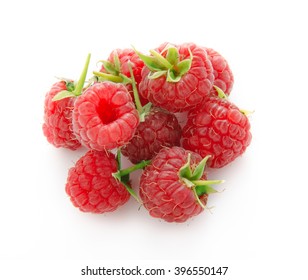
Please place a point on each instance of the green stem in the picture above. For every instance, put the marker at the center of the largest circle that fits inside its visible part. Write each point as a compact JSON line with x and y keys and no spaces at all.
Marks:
{"x":123,"y":175}
{"x":108,"y":77}
{"x":163,"y":61}
{"x":83,"y":76}
{"x":135,"y":90}
{"x":137,"y":166}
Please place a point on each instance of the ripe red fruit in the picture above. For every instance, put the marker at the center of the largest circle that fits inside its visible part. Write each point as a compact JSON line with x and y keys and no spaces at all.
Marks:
{"x":223,"y":76}
{"x":168,"y":186}
{"x":117,"y":65}
{"x":57,"y":126}
{"x":218,"y":128}
{"x":91,"y":186}
{"x":176,"y":78}
{"x":105,"y":116}
{"x":159,"y":129}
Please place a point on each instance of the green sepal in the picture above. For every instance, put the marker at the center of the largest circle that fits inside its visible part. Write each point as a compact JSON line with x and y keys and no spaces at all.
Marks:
{"x":131,"y":192}
{"x":197,"y":197}
{"x":163,"y":62}
{"x":124,"y":180}
{"x":149,"y":61}
{"x":185,"y":171}
{"x":192,"y":179}
{"x":198,"y":172}
{"x":171,"y":77}
{"x":117,"y":62}
{"x":188,"y":183}
{"x":125,"y":79}
{"x":204,"y":186}
{"x":70,"y":86}
{"x":220,"y":92}
{"x":172,"y":55}
{"x":145,"y":111}
{"x":247,"y":113}
{"x":117,"y":175}
{"x":63,"y":94}
{"x":155,"y":75}
{"x":183,"y":67}
{"x":205,"y":189}
{"x":109,"y":67}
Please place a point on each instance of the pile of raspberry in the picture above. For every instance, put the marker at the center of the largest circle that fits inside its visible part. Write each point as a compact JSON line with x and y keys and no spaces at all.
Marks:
{"x":130,"y":107}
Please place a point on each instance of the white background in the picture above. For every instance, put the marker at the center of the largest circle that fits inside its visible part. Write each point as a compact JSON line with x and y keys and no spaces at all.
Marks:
{"x":259,"y":223}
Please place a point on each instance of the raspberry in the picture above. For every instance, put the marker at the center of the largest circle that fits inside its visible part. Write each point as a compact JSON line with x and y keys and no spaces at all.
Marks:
{"x":57,"y":125}
{"x":223,"y":75}
{"x":59,"y":103}
{"x":91,"y":186}
{"x":168,"y":185}
{"x":117,"y":65}
{"x":104,"y":116}
{"x":218,"y":129}
{"x":176,"y":78}
{"x":160,"y":128}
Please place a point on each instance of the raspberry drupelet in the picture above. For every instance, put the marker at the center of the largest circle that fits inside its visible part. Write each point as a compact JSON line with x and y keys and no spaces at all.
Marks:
{"x":57,"y":126}
{"x":91,"y":186}
{"x":159,"y":129}
{"x":174,"y":186}
{"x":218,"y":128}
{"x":105,"y":117}
{"x":176,"y":77}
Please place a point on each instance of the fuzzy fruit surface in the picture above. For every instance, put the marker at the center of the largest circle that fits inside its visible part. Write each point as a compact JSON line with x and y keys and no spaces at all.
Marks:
{"x":163,"y":193}
{"x":218,"y":129}
{"x":127,"y":56}
{"x":90,"y":184}
{"x":105,"y":117}
{"x":159,"y":129}
{"x":57,"y":126}
{"x":223,"y":76}
{"x":192,"y":88}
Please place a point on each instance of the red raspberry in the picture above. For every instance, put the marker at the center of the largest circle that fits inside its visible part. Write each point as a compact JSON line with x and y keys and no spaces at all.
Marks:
{"x":218,"y":129}
{"x":57,"y":125}
{"x":160,"y":128}
{"x":126,"y":57}
{"x":223,"y":75}
{"x":164,"y":192}
{"x":105,"y":117}
{"x":91,"y":186}
{"x":179,"y":85}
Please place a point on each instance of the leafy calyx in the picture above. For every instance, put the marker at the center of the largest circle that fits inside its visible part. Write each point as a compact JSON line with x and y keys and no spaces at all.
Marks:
{"x":113,"y":71}
{"x":192,"y":179}
{"x":167,"y":63}
{"x":74,"y":89}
